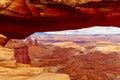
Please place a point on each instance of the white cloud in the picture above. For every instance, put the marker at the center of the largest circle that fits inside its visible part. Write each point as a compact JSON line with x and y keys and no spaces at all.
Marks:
{"x":90,"y":30}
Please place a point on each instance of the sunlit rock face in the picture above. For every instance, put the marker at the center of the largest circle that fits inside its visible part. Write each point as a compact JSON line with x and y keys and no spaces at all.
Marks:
{"x":30,"y":73}
{"x":5,"y":3}
{"x":7,"y":57}
{"x":108,"y":49}
{"x":50,"y":76}
{"x":14,"y":64}
{"x":33,"y":8}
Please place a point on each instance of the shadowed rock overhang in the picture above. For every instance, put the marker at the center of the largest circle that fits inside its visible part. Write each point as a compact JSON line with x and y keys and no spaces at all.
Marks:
{"x":20,"y":18}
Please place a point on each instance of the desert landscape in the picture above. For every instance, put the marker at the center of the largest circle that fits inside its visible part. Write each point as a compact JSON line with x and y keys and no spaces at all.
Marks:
{"x":47,"y":56}
{"x":59,"y":40}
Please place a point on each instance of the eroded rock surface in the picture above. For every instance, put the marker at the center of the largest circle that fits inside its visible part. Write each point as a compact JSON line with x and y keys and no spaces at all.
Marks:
{"x":32,"y":8}
{"x":21,"y":50}
{"x":54,"y":61}
{"x":7,"y":57}
{"x":28,"y":16}
{"x":29,"y":73}
{"x":16,"y":68}
{"x":93,"y":65}
{"x":50,"y":76}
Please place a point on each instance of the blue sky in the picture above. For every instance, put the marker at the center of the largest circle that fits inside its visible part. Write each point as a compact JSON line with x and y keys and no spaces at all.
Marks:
{"x":90,"y":30}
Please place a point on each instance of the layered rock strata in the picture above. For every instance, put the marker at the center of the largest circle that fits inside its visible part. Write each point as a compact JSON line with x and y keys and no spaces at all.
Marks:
{"x":21,"y":50}
{"x":14,"y":64}
{"x":7,"y":57}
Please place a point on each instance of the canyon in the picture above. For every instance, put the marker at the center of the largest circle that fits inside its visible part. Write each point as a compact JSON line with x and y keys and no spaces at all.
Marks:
{"x":14,"y":64}
{"x":58,"y":57}
{"x":65,"y":58}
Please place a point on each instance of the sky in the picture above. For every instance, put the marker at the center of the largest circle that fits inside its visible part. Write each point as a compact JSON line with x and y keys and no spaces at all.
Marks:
{"x":90,"y":30}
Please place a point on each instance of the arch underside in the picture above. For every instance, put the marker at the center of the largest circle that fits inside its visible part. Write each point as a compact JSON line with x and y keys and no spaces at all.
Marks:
{"x":34,"y":18}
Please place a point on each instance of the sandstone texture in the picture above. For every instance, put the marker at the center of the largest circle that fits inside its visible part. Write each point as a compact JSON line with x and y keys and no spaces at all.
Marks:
{"x":7,"y":57}
{"x":24,"y":17}
{"x":29,"y":73}
{"x":32,"y":8}
{"x":21,"y":50}
{"x":50,"y":76}
{"x":95,"y":58}
{"x":13,"y":65}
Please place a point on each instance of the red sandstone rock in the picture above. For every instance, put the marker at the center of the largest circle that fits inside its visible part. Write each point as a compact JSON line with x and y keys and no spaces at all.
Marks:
{"x":26,"y":17}
{"x":90,"y":66}
{"x":31,"y":8}
{"x":21,"y":54}
{"x":21,"y":50}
